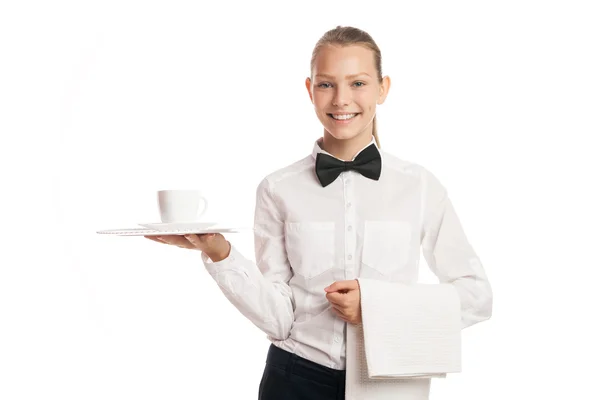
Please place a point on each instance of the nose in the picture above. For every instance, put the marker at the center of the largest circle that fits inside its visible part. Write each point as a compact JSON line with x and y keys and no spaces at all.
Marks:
{"x":342,"y":96}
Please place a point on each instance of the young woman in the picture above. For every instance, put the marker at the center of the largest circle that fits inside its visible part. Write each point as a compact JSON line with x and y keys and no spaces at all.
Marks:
{"x":347,"y":210}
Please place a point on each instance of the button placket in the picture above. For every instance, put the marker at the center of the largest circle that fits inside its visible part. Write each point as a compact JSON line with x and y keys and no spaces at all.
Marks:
{"x":337,"y":336}
{"x":349,"y":222}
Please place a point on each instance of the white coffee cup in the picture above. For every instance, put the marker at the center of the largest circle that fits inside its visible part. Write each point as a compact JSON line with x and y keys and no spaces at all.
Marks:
{"x":181,"y":205}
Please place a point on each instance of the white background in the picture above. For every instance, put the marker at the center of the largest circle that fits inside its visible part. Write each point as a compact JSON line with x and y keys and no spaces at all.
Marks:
{"x":103,"y":103}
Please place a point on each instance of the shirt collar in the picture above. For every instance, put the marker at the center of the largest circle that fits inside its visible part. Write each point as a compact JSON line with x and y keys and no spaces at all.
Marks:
{"x":318,"y":149}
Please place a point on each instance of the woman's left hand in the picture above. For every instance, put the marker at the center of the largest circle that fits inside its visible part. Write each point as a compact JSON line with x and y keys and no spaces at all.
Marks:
{"x":344,"y":297}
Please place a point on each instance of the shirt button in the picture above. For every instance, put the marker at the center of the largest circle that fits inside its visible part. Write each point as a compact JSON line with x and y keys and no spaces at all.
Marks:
{"x":350,"y":257}
{"x":350,"y":228}
{"x":348,"y":204}
{"x":336,"y":339}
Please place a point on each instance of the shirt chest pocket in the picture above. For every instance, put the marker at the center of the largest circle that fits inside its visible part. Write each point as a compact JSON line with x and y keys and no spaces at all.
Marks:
{"x":386,"y":245}
{"x":310,"y":247}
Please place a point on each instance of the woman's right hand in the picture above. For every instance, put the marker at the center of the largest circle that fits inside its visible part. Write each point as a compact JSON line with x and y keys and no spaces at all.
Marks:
{"x":214,"y":245}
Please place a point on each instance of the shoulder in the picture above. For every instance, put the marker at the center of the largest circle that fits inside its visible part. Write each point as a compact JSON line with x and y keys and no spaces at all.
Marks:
{"x":402,"y":166}
{"x":412,"y":169}
{"x":287,"y":174}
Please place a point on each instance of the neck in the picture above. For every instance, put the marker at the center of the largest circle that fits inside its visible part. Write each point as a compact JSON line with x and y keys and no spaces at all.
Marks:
{"x":345,"y":149}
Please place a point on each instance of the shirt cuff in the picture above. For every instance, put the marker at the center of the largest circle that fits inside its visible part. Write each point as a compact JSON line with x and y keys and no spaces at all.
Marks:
{"x":228,"y":262}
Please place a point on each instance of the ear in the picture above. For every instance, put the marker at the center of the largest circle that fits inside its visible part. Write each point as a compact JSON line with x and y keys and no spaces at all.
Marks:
{"x":384,"y":88}
{"x":308,"y":84}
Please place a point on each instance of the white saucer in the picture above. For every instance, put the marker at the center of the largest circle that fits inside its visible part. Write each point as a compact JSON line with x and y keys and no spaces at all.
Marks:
{"x":169,"y":226}
{"x":153,"y":232}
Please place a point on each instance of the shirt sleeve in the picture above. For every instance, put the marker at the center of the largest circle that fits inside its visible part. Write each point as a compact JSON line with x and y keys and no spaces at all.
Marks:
{"x":450,"y":256}
{"x":260,"y":291}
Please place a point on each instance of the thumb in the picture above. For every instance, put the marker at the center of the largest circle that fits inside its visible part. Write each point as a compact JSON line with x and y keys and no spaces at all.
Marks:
{"x":341,"y":285}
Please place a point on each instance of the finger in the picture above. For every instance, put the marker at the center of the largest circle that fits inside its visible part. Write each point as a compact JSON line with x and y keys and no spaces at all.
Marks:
{"x":342,"y":286}
{"x":176,"y":240}
{"x":344,"y":315}
{"x":155,"y":239}
{"x":334,"y":297}
{"x":193,"y":239}
{"x":331,"y":297}
{"x":339,"y":308}
{"x":197,"y":240}
{"x":340,"y":314}
{"x":200,"y":237}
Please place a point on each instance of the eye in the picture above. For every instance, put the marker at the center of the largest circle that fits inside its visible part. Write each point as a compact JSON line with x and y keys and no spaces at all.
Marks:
{"x":321,"y":84}
{"x":361,"y":83}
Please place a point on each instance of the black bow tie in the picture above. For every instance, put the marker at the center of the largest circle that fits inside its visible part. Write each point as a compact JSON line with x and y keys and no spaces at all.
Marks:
{"x":368,"y":163}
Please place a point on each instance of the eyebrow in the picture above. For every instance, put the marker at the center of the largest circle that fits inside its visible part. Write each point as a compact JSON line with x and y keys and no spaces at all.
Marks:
{"x":347,"y":76}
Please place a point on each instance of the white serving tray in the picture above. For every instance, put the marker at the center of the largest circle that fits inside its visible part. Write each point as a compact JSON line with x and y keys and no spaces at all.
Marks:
{"x":181,"y":231}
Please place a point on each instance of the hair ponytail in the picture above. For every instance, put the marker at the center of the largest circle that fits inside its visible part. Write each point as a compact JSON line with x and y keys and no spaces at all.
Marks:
{"x":375,"y":131}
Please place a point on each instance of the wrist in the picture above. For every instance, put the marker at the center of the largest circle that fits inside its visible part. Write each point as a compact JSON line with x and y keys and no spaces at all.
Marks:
{"x":221,"y":254}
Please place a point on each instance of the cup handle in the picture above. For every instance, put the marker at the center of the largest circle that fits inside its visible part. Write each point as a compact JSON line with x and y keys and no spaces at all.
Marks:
{"x":201,"y":213}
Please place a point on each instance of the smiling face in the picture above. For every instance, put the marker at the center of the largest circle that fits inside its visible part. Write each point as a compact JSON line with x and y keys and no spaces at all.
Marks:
{"x":345,"y":89}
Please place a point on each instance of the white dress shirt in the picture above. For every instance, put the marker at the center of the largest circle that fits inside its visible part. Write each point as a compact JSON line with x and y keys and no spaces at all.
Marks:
{"x":307,"y":236}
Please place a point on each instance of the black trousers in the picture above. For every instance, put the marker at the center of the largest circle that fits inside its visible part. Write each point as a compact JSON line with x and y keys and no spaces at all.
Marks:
{"x":290,"y":377}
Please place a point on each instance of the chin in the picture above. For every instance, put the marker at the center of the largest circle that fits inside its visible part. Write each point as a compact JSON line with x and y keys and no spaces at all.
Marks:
{"x":343,"y":135}
{"x":343,"y":132}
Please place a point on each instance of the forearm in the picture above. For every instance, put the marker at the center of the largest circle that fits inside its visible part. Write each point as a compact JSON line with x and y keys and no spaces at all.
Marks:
{"x":267,"y":304}
{"x":475,"y":298}
{"x":452,"y":258}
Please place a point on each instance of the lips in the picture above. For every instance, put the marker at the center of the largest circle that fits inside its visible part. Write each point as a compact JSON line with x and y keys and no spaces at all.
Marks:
{"x":343,"y":117}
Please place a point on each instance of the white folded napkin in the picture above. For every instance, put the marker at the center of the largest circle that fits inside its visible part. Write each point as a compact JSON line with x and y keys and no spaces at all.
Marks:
{"x":409,"y":334}
{"x":360,"y":387}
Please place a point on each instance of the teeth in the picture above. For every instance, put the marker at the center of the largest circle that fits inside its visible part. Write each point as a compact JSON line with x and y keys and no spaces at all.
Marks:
{"x":343,"y":116}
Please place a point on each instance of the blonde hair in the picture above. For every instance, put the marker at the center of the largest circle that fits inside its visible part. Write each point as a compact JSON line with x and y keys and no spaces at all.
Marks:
{"x":346,"y":36}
